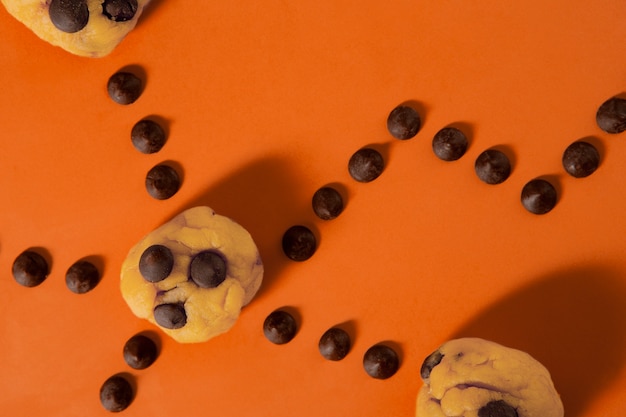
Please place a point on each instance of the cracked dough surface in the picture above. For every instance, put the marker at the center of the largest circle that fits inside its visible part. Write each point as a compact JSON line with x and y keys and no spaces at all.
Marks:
{"x":472,"y":372}
{"x":210,"y":311}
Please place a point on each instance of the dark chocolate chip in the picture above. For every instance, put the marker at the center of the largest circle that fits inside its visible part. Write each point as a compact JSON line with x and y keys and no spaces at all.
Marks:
{"x":611,"y":115}
{"x":116,"y":394}
{"x":140,"y":351}
{"x":156,"y":263}
{"x":581,"y":159}
{"x":69,"y":16}
{"x":207,"y":269}
{"x":82,"y":277}
{"x":539,"y":196}
{"x":334,"y":344}
{"x":147,"y":136}
{"x":403,"y":122}
{"x":30,"y":269}
{"x":299,"y":243}
{"x":162,"y":182}
{"x":497,"y":408}
{"x":119,"y":10}
{"x":429,"y":363}
{"x":366,"y":165}
{"x":327,"y":203}
{"x":124,"y":87}
{"x":381,"y":361}
{"x":280,"y":327}
{"x":170,"y":316}
{"x":449,"y":144}
{"x":492,"y":166}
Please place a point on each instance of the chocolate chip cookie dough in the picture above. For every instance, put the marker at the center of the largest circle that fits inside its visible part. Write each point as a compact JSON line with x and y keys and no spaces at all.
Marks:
{"x":472,"y":377}
{"x":192,"y":275}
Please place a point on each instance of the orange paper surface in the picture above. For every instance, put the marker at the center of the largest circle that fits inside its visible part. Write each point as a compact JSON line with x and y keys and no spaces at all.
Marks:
{"x":265,"y":102}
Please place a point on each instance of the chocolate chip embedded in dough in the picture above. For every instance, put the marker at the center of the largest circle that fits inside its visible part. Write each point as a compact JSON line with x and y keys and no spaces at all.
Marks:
{"x":124,"y":87}
{"x":207,"y":269}
{"x":82,"y":277}
{"x":449,"y":144}
{"x":611,"y":115}
{"x":381,"y":361}
{"x":327,"y":203}
{"x":538,"y":196}
{"x":162,"y":182}
{"x":69,"y":16}
{"x":299,"y":243}
{"x":492,"y":166}
{"x":498,"y":408}
{"x":140,"y":351}
{"x":334,"y":344}
{"x":116,"y":394}
{"x":429,"y":363}
{"x":147,"y":136}
{"x":580,"y":159}
{"x":170,"y":316}
{"x":119,"y":10}
{"x":366,"y":164}
{"x":280,"y":327}
{"x":156,"y":263}
{"x":403,"y":122}
{"x":30,"y":269}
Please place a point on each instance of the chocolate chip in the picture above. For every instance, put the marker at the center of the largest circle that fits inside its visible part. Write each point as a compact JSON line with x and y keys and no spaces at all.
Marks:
{"x":497,"y":408}
{"x":492,"y":166}
{"x":124,"y":87}
{"x":116,"y":394}
{"x":581,"y":159}
{"x":156,"y":263}
{"x":449,"y":144}
{"x":119,"y":10}
{"x":69,"y":16}
{"x":539,"y":196}
{"x":327,"y":203}
{"x":82,"y":277}
{"x":207,"y":269}
{"x":30,"y":269}
{"x":403,"y":122}
{"x":162,"y":182}
{"x":147,"y":136}
{"x":611,"y":115}
{"x":299,"y":243}
{"x":140,"y":351}
{"x":280,"y":327}
{"x":334,"y":344}
{"x":429,"y":363}
{"x":366,"y":165}
{"x":170,"y":316}
{"x":381,"y":361}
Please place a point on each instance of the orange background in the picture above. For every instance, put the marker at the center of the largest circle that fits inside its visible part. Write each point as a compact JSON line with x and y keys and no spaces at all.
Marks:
{"x":264,"y":102}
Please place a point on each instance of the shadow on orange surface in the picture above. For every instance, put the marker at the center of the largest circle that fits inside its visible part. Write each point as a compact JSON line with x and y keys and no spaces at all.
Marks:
{"x":573,"y":321}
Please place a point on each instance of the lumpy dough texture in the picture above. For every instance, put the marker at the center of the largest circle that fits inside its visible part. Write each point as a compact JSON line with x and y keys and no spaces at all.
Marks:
{"x":98,"y":38}
{"x":464,"y":375}
{"x":209,"y":311}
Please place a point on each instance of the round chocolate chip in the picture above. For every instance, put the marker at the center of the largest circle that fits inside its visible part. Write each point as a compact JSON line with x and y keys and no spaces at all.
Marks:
{"x":140,"y":351}
{"x":403,"y":122}
{"x":30,"y":269}
{"x":170,"y":316}
{"x":327,"y":203}
{"x":124,"y":87}
{"x":429,"y":363}
{"x":82,"y":277}
{"x":116,"y":394}
{"x":147,"y":136}
{"x":156,"y":263}
{"x":449,"y":144}
{"x":611,"y":115}
{"x":208,"y":269}
{"x":69,"y":16}
{"x":280,"y":327}
{"x":497,"y":408}
{"x":162,"y":182}
{"x":381,"y":361}
{"x":334,"y":344}
{"x":299,"y":243}
{"x":492,"y":166}
{"x":366,"y":165}
{"x":539,"y":196}
{"x":119,"y":10}
{"x":581,"y":159}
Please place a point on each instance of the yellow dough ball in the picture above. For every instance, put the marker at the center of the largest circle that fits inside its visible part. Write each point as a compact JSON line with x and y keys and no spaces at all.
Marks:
{"x":472,"y":377}
{"x":192,"y":275}
{"x":90,"y":28}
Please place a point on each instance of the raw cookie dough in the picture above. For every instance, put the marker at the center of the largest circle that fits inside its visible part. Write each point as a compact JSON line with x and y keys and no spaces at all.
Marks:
{"x":197,"y":271}
{"x":471,"y":377}
{"x":97,"y":38}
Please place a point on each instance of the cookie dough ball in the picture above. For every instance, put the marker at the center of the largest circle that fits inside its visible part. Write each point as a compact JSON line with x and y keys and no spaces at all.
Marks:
{"x":472,"y":377}
{"x":91,"y":28}
{"x":192,"y":275}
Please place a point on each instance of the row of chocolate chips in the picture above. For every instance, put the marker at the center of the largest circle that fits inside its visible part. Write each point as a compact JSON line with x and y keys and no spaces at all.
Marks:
{"x":71,"y":16}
